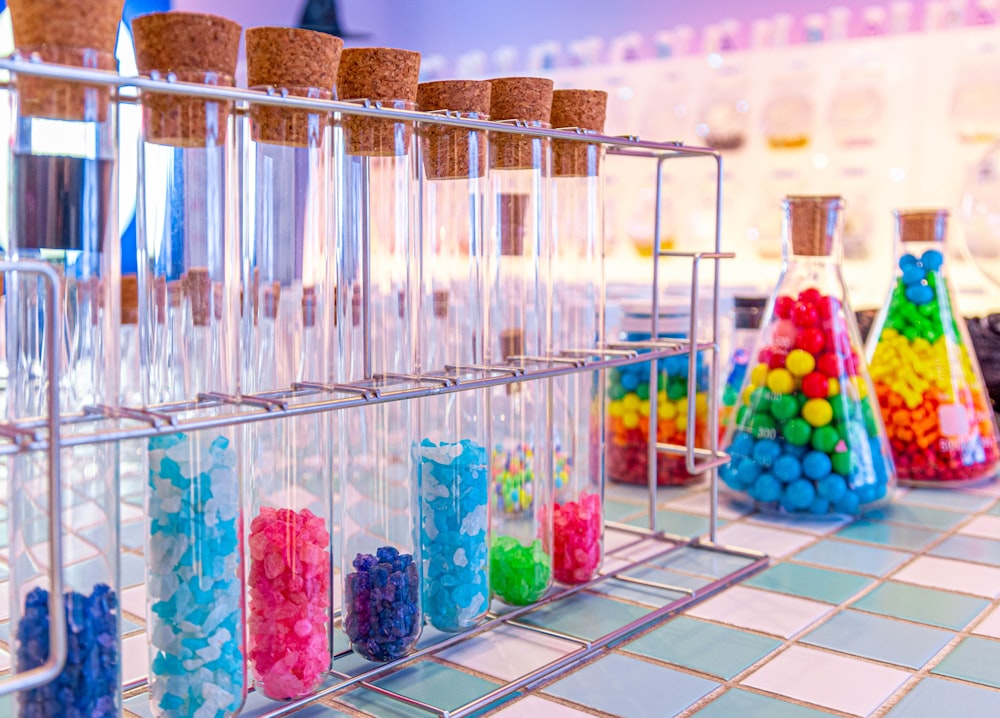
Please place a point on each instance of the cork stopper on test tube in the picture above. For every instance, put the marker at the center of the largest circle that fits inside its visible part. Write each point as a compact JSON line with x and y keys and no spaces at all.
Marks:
{"x":813,"y":223}
{"x":193,"y":47}
{"x":452,"y":152}
{"x":378,"y":74}
{"x":922,"y":225}
{"x":584,"y":110}
{"x":67,"y":33}
{"x":303,"y":63}
{"x":528,"y":99}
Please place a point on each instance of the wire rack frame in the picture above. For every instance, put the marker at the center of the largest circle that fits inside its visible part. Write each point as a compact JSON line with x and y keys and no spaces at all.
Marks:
{"x":117,"y":423}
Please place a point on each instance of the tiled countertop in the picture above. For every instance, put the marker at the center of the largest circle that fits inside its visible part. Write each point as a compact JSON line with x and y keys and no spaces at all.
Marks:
{"x":896,"y":615}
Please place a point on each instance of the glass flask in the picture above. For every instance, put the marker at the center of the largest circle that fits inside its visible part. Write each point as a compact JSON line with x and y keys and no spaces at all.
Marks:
{"x":788,"y":116}
{"x":722,"y":120}
{"x":808,"y":438}
{"x":923,"y":365}
{"x":189,"y":279}
{"x":749,"y":311}
{"x":522,"y":462}
{"x":629,"y":396}
{"x":63,"y":192}
{"x":577,"y":304}
{"x":451,"y":455}
{"x":287,"y":326}
{"x":376,"y":297}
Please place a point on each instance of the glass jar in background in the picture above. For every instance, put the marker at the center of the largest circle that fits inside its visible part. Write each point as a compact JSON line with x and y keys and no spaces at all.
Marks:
{"x":189,"y":280}
{"x":64,"y":212}
{"x":522,"y":459}
{"x":629,"y":396}
{"x":927,"y":379}
{"x":808,"y":438}
{"x":451,"y":457}
{"x":377,"y":291}
{"x":287,"y":327}
{"x":788,"y":116}
{"x":576,"y":253}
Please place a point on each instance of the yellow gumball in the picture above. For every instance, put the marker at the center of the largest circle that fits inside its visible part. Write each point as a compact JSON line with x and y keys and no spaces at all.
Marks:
{"x":758,"y":375}
{"x":631,"y":402}
{"x":630,"y":419}
{"x":668,"y":410}
{"x":780,"y":381}
{"x":644,"y":408}
{"x":701,"y":404}
{"x":817,"y":412}
{"x":800,"y":362}
{"x":859,"y":386}
{"x":834,"y":389}
{"x":615,"y":408}
{"x":682,"y":422}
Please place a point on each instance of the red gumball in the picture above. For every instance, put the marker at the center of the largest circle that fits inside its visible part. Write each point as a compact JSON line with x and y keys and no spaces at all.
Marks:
{"x":828,"y":364}
{"x":804,"y":314}
{"x":828,"y":307}
{"x":776,"y":359}
{"x":783,"y":306}
{"x":816,"y":385}
{"x":810,"y":296}
{"x":811,"y":340}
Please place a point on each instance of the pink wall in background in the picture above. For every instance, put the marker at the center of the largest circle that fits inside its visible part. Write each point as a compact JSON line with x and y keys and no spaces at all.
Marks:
{"x":454,"y":27}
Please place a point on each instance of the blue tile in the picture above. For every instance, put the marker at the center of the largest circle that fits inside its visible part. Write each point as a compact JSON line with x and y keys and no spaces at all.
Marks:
{"x":923,"y":605}
{"x":625,"y":686}
{"x":425,"y":681}
{"x":667,"y":577}
{"x":745,"y":704}
{"x":975,"y":659}
{"x":923,"y":516}
{"x":701,"y":646}
{"x":881,"y":639}
{"x":643,"y":595}
{"x":936,"y":697}
{"x":620,"y":510}
{"x":701,"y":562}
{"x":820,"y":584}
{"x":995,"y":510}
{"x":969,"y":548}
{"x":904,"y":537}
{"x":871,"y":560}
{"x":676,"y":522}
{"x":585,"y":616}
{"x":949,"y":499}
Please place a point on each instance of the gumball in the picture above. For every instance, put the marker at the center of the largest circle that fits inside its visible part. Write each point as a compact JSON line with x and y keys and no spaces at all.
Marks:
{"x":786,"y":468}
{"x":907,"y":260}
{"x":842,"y":462}
{"x":800,"y":362}
{"x":804,"y":314}
{"x":832,"y":487}
{"x":810,"y":340}
{"x":799,"y":494}
{"x":784,"y":407}
{"x":816,"y":385}
{"x":828,"y":364}
{"x":776,"y":359}
{"x":816,"y":465}
{"x":913,"y":274}
{"x":783,"y":334}
{"x":783,"y":306}
{"x":766,"y":488}
{"x":780,"y":381}
{"x":825,"y":439}
{"x":817,"y":412}
{"x":810,"y":296}
{"x":766,"y":452}
{"x":797,"y":432}
{"x":828,"y":307}
{"x":932,"y":260}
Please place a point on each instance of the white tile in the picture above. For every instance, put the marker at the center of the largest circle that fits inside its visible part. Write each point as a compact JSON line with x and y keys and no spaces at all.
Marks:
{"x":5,"y":662}
{"x":986,"y":526}
{"x":990,"y":625}
{"x":508,"y":652}
{"x":4,"y":600}
{"x":615,"y":539}
{"x":699,"y":504}
{"x":772,"y":541}
{"x":643,"y":550}
{"x":535,"y":707}
{"x":134,"y":601}
{"x":612,"y":564}
{"x":135,"y":658}
{"x":817,"y":527}
{"x":762,"y":611}
{"x":829,"y":680}
{"x":951,"y":575}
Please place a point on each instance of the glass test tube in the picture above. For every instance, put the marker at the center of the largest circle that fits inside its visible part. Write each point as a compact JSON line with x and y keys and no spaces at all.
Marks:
{"x":189,"y":296}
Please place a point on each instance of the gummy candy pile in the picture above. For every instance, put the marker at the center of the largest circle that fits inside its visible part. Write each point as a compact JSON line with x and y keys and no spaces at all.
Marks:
{"x":382,"y":604}
{"x":514,"y":476}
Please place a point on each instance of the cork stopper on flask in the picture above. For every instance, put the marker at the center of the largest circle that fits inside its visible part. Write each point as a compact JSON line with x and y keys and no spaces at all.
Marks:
{"x":193,"y":47}
{"x":813,"y":224}
{"x":584,"y":110}
{"x":453,"y":152}
{"x":80,"y":34}
{"x":378,"y":74}
{"x":922,"y":225}
{"x":130,"y":299}
{"x":528,"y":99}
{"x":303,"y":63}
{"x":199,"y":291}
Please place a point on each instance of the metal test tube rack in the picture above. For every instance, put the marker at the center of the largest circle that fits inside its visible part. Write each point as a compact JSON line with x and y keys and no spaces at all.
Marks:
{"x":108,"y":424}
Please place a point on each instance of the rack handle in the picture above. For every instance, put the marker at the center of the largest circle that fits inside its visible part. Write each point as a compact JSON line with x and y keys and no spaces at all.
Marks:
{"x":53,"y":666}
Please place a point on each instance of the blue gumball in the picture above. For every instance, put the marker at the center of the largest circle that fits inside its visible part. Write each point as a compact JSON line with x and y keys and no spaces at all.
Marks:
{"x":848,"y":504}
{"x":919,"y":294}
{"x":932,"y":260}
{"x":766,"y":488}
{"x":819,"y":506}
{"x":907,"y":260}
{"x":832,"y":487}
{"x":795,"y":451}
{"x":787,"y":468}
{"x":742,"y":444}
{"x":816,"y":465}
{"x":747,"y":472}
{"x":629,"y":380}
{"x":913,"y":274}
{"x":766,"y":452}
{"x":799,"y":494}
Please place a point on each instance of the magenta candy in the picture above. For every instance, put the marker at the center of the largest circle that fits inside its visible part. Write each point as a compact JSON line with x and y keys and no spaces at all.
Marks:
{"x":289,"y":588}
{"x":577,"y":527}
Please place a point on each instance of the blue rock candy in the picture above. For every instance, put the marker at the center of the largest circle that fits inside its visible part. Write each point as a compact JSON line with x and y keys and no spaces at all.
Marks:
{"x":381,"y":605}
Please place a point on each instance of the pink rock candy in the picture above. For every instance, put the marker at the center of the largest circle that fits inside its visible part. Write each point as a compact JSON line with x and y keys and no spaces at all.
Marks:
{"x":289,"y":587}
{"x":577,"y":526}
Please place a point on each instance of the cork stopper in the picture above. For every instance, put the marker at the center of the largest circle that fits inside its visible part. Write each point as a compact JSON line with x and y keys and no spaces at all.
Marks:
{"x":271,"y":299}
{"x":194,"y":47}
{"x":303,"y":63}
{"x":585,"y":110}
{"x":67,"y":33}
{"x":511,"y":210}
{"x":378,"y":74}
{"x":441,"y":299}
{"x":921,"y":225}
{"x":528,"y":99}
{"x":308,"y":306}
{"x":130,"y":299}
{"x":813,"y":224}
{"x":511,"y":342}
{"x":199,"y":290}
{"x":451,"y":152}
